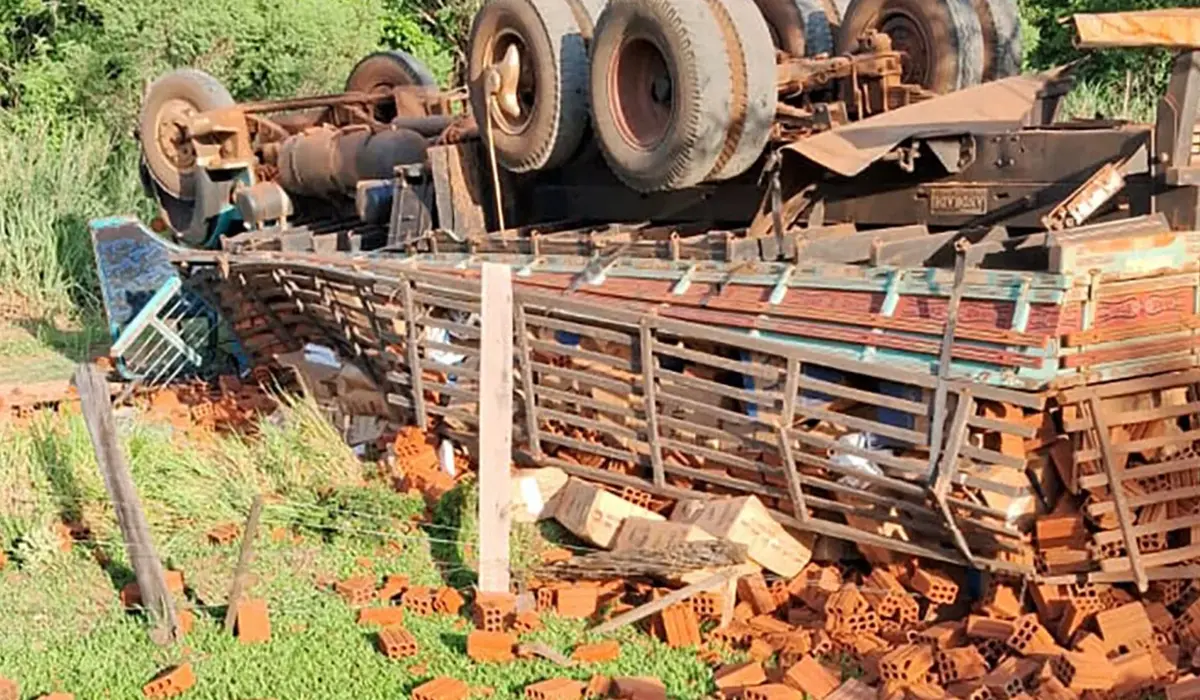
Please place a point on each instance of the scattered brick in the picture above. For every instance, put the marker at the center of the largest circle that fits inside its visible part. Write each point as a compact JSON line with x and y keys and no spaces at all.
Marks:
{"x":598,"y":687}
{"x":526,"y":622}
{"x":1001,"y":601}
{"x":1030,"y":637}
{"x":1127,"y":626}
{"x":936,"y":587}
{"x":55,"y":696}
{"x":680,"y":627}
{"x":9,"y":690}
{"x":638,"y":688}
{"x":576,"y":602}
{"x":961,"y":664}
{"x":556,"y":556}
{"x":987,"y":628}
{"x":170,"y":682}
{"x":223,"y":534}
{"x":852,"y":689}
{"x":441,"y":689}
{"x":448,"y":601}
{"x":418,"y":599}
{"x":253,"y":622}
{"x":491,"y":646}
{"x":740,"y":676}
{"x":707,"y":606}
{"x":754,"y":591}
{"x":1079,"y":672}
{"x":772,"y":691}
{"x":380,"y":616}
{"x":357,"y":590}
{"x":760,"y":650}
{"x":492,"y":611}
{"x":186,"y":620}
{"x":397,"y":643}
{"x":907,"y":663}
{"x":174,"y":580}
{"x":555,"y":689}
{"x":394,"y":585}
{"x":597,"y":653}
{"x":810,"y":677}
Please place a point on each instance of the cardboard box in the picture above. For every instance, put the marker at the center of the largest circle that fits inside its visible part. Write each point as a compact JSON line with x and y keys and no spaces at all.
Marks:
{"x":747,"y":521}
{"x":595,"y":515}
{"x":535,"y":493}
{"x":639,"y":533}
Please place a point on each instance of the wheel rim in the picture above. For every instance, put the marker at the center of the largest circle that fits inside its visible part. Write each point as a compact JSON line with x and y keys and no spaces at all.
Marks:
{"x":909,"y":37}
{"x":526,"y":82}
{"x":171,"y":135}
{"x":641,"y":92}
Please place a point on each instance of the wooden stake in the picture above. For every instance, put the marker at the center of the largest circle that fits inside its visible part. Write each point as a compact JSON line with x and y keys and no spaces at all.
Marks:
{"x":245,"y":556}
{"x":148,"y":569}
{"x":495,"y":427}
{"x":717,"y":580}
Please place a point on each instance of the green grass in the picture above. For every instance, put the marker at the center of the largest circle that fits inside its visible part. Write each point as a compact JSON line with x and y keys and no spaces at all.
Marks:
{"x":64,"y":606}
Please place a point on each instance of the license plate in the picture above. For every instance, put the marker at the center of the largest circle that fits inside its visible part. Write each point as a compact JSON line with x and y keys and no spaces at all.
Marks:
{"x":958,"y":200}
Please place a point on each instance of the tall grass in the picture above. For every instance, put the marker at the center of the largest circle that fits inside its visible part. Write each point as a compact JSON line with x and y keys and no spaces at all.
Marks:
{"x":1107,"y":100}
{"x":54,"y":177}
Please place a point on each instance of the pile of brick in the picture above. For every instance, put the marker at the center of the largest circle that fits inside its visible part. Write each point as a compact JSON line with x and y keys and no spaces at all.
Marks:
{"x":416,"y":467}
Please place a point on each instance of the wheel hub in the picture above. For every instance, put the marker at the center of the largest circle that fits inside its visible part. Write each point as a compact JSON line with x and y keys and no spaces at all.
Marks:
{"x":910,"y":38}
{"x":516,"y":93}
{"x":171,"y":137}
{"x":641,"y":92}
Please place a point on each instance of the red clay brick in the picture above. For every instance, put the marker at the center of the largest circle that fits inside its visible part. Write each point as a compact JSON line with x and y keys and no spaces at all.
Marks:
{"x":441,"y":689}
{"x":380,"y":616}
{"x":638,"y":688}
{"x":576,"y":602}
{"x":170,"y":682}
{"x":754,"y":591}
{"x":448,"y":601}
{"x":526,"y":622}
{"x":598,"y":687}
{"x":223,"y":534}
{"x":907,"y":663}
{"x":555,"y":556}
{"x":555,"y":689}
{"x":357,"y":590}
{"x":493,"y":611}
{"x":491,"y":646}
{"x":186,"y":620}
{"x":56,"y":696}
{"x":707,"y":606}
{"x":740,"y":676}
{"x":960,"y":664}
{"x":810,"y":677}
{"x":773,"y":691}
{"x":680,"y":627}
{"x":253,"y":622}
{"x":936,"y":587}
{"x":9,"y":690}
{"x":1030,"y":637}
{"x":394,"y":585}
{"x":597,"y":653}
{"x":174,"y":580}
{"x":397,"y":643}
{"x":418,"y":599}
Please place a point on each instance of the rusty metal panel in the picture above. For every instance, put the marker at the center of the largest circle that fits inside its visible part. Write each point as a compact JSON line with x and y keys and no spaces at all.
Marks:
{"x":1171,"y":28}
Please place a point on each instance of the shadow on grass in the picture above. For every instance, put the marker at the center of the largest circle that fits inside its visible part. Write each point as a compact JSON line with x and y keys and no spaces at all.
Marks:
{"x":74,"y":344}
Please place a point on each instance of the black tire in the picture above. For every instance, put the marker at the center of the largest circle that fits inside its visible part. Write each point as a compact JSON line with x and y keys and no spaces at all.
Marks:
{"x":661,"y":89}
{"x":1000,"y":23}
{"x":553,"y":72}
{"x":385,"y":70}
{"x":752,"y":64}
{"x":801,"y":27}
{"x":942,"y":39}
{"x":172,"y":98}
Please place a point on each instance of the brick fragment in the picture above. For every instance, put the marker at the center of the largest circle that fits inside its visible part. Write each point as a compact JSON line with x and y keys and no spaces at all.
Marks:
{"x":526,"y":622}
{"x":1079,"y":672}
{"x":760,"y":650}
{"x":380,"y":616}
{"x":979,"y":627}
{"x":936,"y":587}
{"x":491,"y":646}
{"x":1008,"y":679}
{"x":708,"y":606}
{"x":852,"y":689}
{"x":740,"y":675}
{"x":680,"y":628}
{"x":1030,"y":637}
{"x":810,"y":677}
{"x":397,"y":643}
{"x":9,"y":690}
{"x":1134,"y":673}
{"x":961,"y":664}
{"x":766,"y":624}
{"x":638,"y":688}
{"x":772,"y":691}
{"x":441,"y":689}
{"x":576,"y":602}
{"x":1125,"y":627}
{"x":448,"y":601}
{"x":356,"y":590}
{"x":754,"y":591}
{"x":173,"y":681}
{"x":814,"y":584}
{"x":492,"y":611}
{"x":54,"y":696}
{"x":597,"y":653}
{"x":223,"y":534}
{"x":1000,"y":601}
{"x":393,"y":586}
{"x":943,"y":635}
{"x":598,"y":687}
{"x":555,"y":689}
{"x":556,"y":555}
{"x":253,"y":622}
{"x":187,"y":621}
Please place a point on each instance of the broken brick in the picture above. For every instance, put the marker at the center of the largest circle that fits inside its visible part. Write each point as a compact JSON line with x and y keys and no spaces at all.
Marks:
{"x":598,"y":687}
{"x":810,"y":677}
{"x":740,"y":676}
{"x":174,"y":581}
{"x":772,"y":691}
{"x":51,"y":696}
{"x":396,"y":642}
{"x":223,"y":534}
{"x":760,"y":650}
{"x":1030,"y":637}
{"x":1000,"y":601}
{"x":9,"y":690}
{"x":637,"y":688}
{"x":492,"y":610}
{"x":524,"y":623}
{"x":380,"y":616}
{"x":394,"y":585}
{"x":987,"y":628}
{"x":1079,"y":672}
{"x":448,"y":601}
{"x":907,"y":663}
{"x":441,"y":689}
{"x":490,"y":646}
{"x":358,"y":590}
{"x":555,"y":689}
{"x":754,"y":591}
{"x":556,"y":556}
{"x":960,"y":664}
{"x":597,"y":653}
{"x":253,"y":622}
{"x":680,"y":627}
{"x":186,"y":620}
{"x":170,"y":682}
{"x":576,"y":602}
{"x":1127,"y":626}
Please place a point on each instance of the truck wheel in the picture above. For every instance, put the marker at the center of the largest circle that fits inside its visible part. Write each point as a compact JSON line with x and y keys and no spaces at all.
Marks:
{"x":1000,"y":22}
{"x":801,"y":27}
{"x":942,"y":39}
{"x":662,"y":92}
{"x":752,"y":63}
{"x":170,"y":102}
{"x":548,"y":118}
{"x":386,"y":70}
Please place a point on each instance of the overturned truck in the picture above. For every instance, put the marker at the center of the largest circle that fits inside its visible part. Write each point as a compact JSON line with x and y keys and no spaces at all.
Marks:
{"x":970,"y":338}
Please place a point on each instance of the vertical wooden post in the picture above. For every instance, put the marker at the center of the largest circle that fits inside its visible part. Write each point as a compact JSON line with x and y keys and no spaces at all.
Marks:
{"x":495,"y":426}
{"x":245,"y":555}
{"x":151,"y":580}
